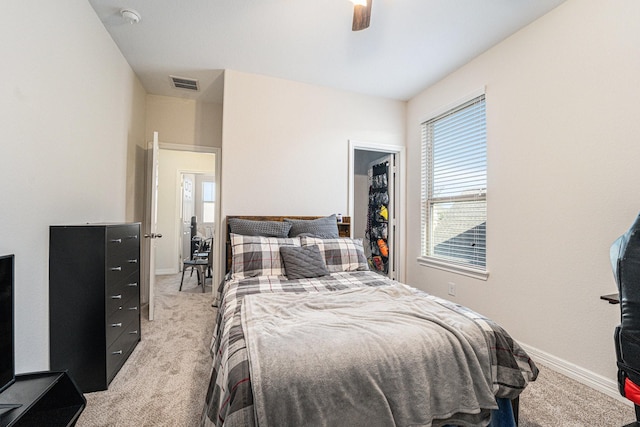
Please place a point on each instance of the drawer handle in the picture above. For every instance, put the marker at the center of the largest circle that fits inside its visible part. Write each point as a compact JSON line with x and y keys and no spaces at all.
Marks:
{"x":132,"y":261}
{"x":133,"y":308}
{"x":119,"y":296}
{"x":116,"y":268}
{"x":133,"y":285}
{"x":116,"y":240}
{"x":135,"y":236}
{"x":117,"y":352}
{"x":116,"y":325}
{"x":133,"y":333}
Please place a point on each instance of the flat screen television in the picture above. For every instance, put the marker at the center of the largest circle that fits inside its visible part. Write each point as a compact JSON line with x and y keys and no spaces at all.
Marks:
{"x":7,"y":353}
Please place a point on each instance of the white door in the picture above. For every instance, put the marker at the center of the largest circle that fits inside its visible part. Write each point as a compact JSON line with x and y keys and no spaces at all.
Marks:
{"x":152,"y":226}
{"x":392,"y":241}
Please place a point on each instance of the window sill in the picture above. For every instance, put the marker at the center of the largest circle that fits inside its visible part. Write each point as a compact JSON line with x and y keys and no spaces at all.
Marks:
{"x":453,"y":268}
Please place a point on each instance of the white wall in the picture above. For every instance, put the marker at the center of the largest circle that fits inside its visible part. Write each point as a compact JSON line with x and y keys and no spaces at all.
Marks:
{"x":70,"y":103}
{"x":285,"y":144}
{"x":564,"y":182}
{"x":184,"y":121}
{"x":172,"y":164}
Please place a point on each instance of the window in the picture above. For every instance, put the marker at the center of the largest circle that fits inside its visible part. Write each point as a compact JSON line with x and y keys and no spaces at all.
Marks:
{"x":208,"y":201}
{"x":454,"y":189}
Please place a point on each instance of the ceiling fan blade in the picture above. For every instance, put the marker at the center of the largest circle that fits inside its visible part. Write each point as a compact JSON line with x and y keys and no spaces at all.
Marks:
{"x":361,"y":16}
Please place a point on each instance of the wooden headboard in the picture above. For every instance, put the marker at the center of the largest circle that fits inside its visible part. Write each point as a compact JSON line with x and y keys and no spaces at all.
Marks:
{"x":344,"y":229}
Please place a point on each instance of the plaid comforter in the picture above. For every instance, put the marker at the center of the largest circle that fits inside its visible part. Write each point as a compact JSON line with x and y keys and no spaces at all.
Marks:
{"x":229,"y":400}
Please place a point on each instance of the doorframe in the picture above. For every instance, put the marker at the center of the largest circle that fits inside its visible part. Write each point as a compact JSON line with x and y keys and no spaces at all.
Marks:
{"x":218,"y":162}
{"x":400,"y":219}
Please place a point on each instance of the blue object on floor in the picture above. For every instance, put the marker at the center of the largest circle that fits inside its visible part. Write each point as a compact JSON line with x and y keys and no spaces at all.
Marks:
{"x":501,"y":417}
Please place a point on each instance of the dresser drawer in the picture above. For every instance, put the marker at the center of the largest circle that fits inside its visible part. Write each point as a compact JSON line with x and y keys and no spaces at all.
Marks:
{"x":119,"y":351}
{"x":119,"y":268}
{"x":125,"y":319}
{"x":123,"y":252}
{"x":128,"y":291}
{"x":125,"y":235}
{"x":131,"y":281}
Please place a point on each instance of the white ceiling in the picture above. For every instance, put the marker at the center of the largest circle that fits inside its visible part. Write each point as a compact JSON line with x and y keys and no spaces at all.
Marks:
{"x":410,"y":44}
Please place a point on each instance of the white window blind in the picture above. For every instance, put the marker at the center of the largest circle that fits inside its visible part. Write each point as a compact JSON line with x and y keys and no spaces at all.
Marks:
{"x":454,"y":186}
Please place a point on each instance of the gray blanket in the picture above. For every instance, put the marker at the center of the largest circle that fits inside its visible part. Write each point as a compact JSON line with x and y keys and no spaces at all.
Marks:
{"x":373,"y":356}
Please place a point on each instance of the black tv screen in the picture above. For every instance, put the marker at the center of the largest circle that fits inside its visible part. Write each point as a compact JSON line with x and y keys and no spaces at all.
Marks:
{"x":7,"y":362}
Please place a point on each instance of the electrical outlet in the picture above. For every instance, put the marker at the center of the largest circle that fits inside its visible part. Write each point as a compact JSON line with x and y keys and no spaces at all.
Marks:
{"x":452,"y":289}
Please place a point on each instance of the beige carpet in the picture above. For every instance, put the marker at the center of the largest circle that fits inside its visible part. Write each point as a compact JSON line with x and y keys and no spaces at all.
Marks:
{"x":554,"y":400}
{"x":164,"y":381}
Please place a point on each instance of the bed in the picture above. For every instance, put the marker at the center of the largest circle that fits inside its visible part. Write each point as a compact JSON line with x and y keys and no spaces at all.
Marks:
{"x":306,"y":335}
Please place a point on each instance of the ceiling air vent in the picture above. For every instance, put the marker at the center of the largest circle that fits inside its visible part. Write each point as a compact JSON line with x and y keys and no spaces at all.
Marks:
{"x":184,"y":83}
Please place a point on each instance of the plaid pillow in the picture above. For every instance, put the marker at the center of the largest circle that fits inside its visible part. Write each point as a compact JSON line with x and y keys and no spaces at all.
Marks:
{"x":258,"y":256}
{"x":342,"y":254}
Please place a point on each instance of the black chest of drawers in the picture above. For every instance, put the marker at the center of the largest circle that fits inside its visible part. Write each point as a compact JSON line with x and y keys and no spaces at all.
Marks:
{"x":94,"y":300}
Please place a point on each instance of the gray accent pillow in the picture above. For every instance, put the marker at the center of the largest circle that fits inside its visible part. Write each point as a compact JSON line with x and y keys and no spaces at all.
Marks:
{"x":302,"y":262}
{"x":248,"y":227}
{"x":325,"y":228}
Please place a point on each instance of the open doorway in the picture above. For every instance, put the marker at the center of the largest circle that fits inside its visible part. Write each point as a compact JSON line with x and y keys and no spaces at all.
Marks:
{"x":375,"y":183}
{"x":182,"y":178}
{"x":166,"y":163}
{"x":197,"y":213}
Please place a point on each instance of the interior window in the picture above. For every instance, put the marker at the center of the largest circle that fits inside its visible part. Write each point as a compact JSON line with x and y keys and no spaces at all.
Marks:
{"x":208,"y":201}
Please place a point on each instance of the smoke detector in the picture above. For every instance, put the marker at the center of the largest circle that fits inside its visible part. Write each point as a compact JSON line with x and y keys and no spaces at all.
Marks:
{"x":130,"y":15}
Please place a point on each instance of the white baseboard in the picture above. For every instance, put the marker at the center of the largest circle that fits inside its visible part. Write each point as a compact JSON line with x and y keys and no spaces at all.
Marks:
{"x":590,"y":379}
{"x":165,"y":271}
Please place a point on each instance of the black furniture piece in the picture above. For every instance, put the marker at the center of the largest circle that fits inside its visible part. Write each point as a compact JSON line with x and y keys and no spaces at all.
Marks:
{"x":194,"y":233}
{"x":94,"y":300}
{"x":200,"y":260}
{"x":45,"y":398}
{"x":611,"y":298}
{"x":625,"y":261}
{"x":205,"y":252}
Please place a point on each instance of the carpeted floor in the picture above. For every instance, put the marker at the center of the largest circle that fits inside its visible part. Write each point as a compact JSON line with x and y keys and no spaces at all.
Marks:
{"x":164,"y":381}
{"x":554,"y":400}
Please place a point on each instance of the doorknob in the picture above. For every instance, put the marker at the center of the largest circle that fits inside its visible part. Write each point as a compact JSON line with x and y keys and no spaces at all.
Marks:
{"x":153,"y":236}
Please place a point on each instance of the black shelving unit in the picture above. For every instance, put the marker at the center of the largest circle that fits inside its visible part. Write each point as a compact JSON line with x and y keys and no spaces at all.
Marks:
{"x":45,"y":399}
